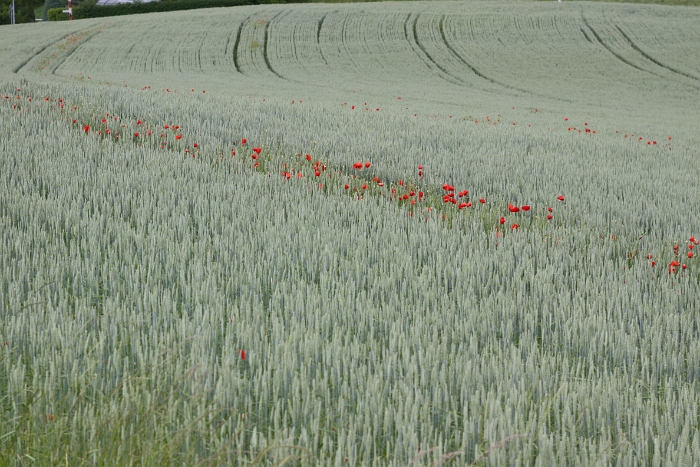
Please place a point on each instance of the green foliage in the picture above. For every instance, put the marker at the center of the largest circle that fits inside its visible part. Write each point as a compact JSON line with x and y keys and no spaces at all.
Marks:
{"x":95,"y":11}
{"x":52,"y":4}
{"x":25,"y":11}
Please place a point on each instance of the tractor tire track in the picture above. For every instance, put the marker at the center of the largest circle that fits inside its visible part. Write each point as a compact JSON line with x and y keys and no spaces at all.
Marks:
{"x":343,"y":42}
{"x":19,"y":67}
{"x":471,"y":67}
{"x":609,"y":49}
{"x":228,"y":41}
{"x":652,"y":59}
{"x":450,"y":78}
{"x":199,"y":53}
{"x":318,"y":37}
{"x":405,"y":32}
{"x":237,"y":44}
{"x":265,"y":47}
{"x":586,"y":35}
{"x":72,"y":51}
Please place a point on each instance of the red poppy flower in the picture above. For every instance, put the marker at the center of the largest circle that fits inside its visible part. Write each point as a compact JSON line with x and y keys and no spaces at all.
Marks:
{"x":86,"y":128}
{"x":75,"y":121}
{"x":300,"y":175}
{"x":257,"y":150}
{"x":674,"y":263}
{"x":515,"y":226}
{"x":549,"y":217}
{"x":405,"y":197}
{"x":525,"y":208}
{"x":420,"y":167}
{"x":138,"y":122}
{"x":136,"y":135}
{"x":560,"y":198}
{"x":462,"y":205}
{"x":412,"y":193}
{"x":104,"y":120}
{"x":367,"y":165}
{"x":364,"y":187}
{"x":317,"y":173}
{"x":178,"y":137}
{"x":308,"y":157}
{"x":195,"y":145}
{"x":447,"y":187}
{"x":469,"y":204}
{"x":254,"y":156}
{"x":502,"y":220}
{"x":482,"y":200}
{"x":549,"y":209}
{"x":166,"y":126}
{"x":683,"y":266}
{"x":357,"y":165}
{"x":653,"y":263}
{"x":512,"y":208}
{"x":241,"y":354}
{"x":690,"y":254}
{"x":692,"y":239}
{"x":420,"y":194}
{"x":690,"y":247}
{"x":243,"y":141}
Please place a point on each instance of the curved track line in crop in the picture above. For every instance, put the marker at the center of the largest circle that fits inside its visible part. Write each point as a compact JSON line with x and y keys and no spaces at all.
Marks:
{"x":344,"y":42}
{"x":410,"y":42}
{"x":609,"y":49}
{"x":453,"y":79}
{"x":318,"y":30}
{"x":652,"y":59}
{"x":265,"y":45}
{"x":469,"y":65}
{"x":238,"y":43}
{"x":228,"y":40}
{"x":63,"y":59}
{"x":318,"y":37}
{"x":199,"y":53}
{"x":19,"y":67}
{"x":586,"y":35}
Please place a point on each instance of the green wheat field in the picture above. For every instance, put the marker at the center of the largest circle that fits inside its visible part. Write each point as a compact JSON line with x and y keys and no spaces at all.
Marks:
{"x":369,"y":234}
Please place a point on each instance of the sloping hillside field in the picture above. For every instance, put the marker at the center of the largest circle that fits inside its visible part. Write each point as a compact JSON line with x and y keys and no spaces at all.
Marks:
{"x":387,"y":234}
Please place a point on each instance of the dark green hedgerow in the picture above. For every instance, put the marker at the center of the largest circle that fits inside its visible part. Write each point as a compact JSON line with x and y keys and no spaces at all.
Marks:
{"x":94,"y":11}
